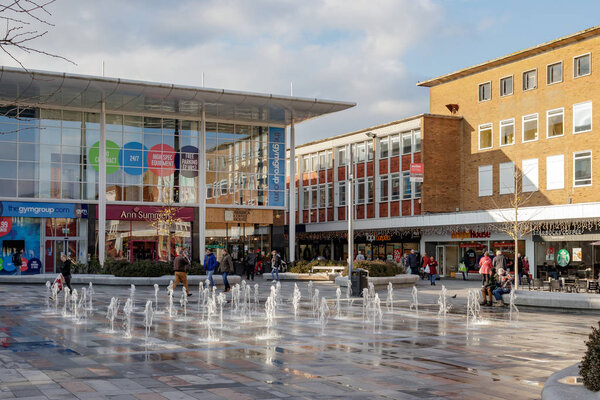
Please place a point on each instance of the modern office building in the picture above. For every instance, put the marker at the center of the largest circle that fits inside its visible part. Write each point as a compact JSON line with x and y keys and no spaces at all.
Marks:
{"x":182,"y":167}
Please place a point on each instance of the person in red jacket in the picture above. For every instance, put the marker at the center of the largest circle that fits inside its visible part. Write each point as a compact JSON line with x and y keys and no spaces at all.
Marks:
{"x":432,"y":270}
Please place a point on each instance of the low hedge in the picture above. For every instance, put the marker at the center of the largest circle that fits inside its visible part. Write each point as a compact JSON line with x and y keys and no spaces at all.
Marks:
{"x":142,"y":268}
{"x":590,"y":365}
{"x":303,"y":267}
{"x":379,"y":268}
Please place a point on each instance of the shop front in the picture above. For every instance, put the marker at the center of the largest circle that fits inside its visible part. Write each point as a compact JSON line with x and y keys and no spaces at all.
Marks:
{"x":147,"y":232}
{"x":468,"y":246}
{"x":568,"y":252}
{"x":44,"y":231}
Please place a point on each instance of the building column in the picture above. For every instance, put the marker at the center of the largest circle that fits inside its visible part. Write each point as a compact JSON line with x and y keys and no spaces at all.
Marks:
{"x":102,"y":185}
{"x":202,"y":186}
{"x":292,"y":195}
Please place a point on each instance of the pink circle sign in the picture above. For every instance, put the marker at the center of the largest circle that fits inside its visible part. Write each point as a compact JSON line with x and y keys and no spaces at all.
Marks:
{"x":5,"y":225}
{"x":161,"y":160}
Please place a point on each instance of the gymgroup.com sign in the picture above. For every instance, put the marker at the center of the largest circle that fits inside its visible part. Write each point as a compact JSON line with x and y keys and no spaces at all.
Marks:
{"x":135,"y":159}
{"x":276,"y":167}
{"x":43,"y":210}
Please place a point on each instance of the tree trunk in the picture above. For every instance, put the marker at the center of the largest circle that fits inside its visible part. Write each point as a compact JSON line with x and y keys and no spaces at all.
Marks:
{"x":516,"y":263}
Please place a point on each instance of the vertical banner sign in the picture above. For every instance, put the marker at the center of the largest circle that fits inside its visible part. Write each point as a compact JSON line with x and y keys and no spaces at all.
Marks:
{"x":416,"y":172}
{"x":276,"y":167}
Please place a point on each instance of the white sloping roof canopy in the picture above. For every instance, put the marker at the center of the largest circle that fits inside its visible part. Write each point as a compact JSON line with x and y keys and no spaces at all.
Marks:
{"x":42,"y":88}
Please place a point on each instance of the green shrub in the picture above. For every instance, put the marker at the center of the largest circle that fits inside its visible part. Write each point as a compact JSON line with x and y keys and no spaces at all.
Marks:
{"x":378,"y":268}
{"x":590,"y":365}
{"x":303,"y":267}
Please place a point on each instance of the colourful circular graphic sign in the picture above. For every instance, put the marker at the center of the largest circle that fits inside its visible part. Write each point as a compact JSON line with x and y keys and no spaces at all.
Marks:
{"x":24,"y":264}
{"x":34,"y":265}
{"x":161,"y":159}
{"x":187,"y":161}
{"x":132,"y":158}
{"x":5,"y":225}
{"x":112,"y":156}
{"x":563,"y":257}
{"x":1,"y":264}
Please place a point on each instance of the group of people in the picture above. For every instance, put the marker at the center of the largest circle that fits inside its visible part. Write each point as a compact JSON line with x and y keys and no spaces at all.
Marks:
{"x":252,"y":265}
{"x":495,"y":280}
{"x":470,"y":263}
{"x":425,"y":267}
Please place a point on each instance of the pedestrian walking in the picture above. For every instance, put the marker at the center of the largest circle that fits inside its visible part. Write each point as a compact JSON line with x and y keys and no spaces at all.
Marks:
{"x":432,"y":270}
{"x":17,"y":259}
{"x":360,"y":256}
{"x":413,"y":262}
{"x":275,"y":265}
{"x":180,"y":266}
{"x":66,"y":271}
{"x":210,"y":264}
{"x":424,"y":264}
{"x":226,"y":268}
{"x":250,"y":264}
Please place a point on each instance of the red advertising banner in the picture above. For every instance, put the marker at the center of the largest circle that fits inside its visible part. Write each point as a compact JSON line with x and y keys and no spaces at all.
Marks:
{"x":144,"y":213}
{"x":416,"y":172}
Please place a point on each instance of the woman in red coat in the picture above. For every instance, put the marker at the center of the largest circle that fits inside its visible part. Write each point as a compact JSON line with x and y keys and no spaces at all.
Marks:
{"x":432,"y":270}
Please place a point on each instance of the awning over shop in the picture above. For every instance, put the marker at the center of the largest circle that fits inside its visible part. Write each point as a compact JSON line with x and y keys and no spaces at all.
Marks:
{"x":42,"y":88}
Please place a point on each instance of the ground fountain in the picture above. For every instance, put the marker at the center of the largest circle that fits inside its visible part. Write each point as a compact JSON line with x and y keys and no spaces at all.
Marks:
{"x":48,"y":295}
{"x":473,"y":306}
{"x":338,"y":308}
{"x":55,"y":290}
{"x":443,"y":302}
{"x":183,"y":301}
{"x":349,"y":290}
{"x":172,"y":311}
{"x":315,"y":304}
{"x":127,"y":310}
{"x":148,"y":317}
{"x":324,"y":314}
{"x":75,"y":305}
{"x":111,"y":314}
{"x":83,"y":303}
{"x":91,"y":296}
{"x":390,"y":297}
{"x":365,"y":297}
{"x":371,"y":290}
{"x":376,"y":313}
{"x":270,"y":315}
{"x":246,"y":306}
{"x":235,"y":298}
{"x":132,"y":295}
{"x":156,"y":289}
{"x":221,"y":299}
{"x":65,"y":311}
{"x":211,"y":309}
{"x":414,"y":304}
{"x":512,"y":308}
{"x":256,"y":297}
{"x":296,"y":300}
{"x":309,"y":287}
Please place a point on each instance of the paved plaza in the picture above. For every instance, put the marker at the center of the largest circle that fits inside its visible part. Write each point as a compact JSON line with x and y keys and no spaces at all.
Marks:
{"x":46,"y":355}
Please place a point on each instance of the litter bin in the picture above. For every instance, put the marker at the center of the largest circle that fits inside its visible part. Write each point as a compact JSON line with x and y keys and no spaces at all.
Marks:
{"x":359,"y":281}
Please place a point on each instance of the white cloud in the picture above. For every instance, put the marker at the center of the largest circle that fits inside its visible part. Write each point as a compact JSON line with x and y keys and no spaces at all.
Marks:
{"x":334,"y":49}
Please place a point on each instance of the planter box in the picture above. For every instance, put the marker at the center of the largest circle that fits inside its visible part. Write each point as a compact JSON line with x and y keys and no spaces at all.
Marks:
{"x":555,"y":387}
{"x":290,"y":276}
{"x":538,"y":298}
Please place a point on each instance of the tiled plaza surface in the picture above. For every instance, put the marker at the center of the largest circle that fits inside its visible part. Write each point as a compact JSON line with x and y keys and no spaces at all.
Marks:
{"x":45,"y":355}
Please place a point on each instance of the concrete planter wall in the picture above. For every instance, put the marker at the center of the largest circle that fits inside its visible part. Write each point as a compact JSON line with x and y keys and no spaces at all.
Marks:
{"x":559,"y":386}
{"x":381,"y":282}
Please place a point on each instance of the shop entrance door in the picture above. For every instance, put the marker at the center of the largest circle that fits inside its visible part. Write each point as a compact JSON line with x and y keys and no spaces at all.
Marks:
{"x":57,"y":247}
{"x":440,"y":255}
{"x":143,"y":250}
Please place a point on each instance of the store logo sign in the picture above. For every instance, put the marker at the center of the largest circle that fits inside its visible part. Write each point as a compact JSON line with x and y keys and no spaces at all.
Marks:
{"x":470,"y":235}
{"x":44,"y":210}
{"x":276,"y":167}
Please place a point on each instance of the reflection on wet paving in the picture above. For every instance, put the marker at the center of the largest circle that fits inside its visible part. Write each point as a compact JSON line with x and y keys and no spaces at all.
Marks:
{"x":47,"y":355}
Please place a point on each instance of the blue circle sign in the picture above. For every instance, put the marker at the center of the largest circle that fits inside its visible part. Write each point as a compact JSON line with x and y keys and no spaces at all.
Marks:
{"x":34,"y":265}
{"x":132,"y":158}
{"x":187,"y":161}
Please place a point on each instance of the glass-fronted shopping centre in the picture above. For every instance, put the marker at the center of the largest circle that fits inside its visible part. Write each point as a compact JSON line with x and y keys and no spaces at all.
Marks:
{"x":216,"y":158}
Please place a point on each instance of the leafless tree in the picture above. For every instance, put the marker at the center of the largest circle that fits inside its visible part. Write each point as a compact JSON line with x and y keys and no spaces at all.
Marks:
{"x":512,"y":224}
{"x":21,"y":18}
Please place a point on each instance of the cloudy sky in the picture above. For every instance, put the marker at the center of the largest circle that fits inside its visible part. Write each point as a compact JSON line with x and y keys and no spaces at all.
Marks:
{"x":371,"y":52}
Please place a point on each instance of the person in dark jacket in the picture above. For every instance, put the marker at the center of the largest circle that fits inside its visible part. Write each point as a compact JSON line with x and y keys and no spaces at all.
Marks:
{"x":413,"y":262}
{"x":210,"y":263}
{"x":180,"y":265}
{"x":226,"y":268}
{"x":275,"y":265}
{"x":250,"y":264}
{"x":66,"y":271}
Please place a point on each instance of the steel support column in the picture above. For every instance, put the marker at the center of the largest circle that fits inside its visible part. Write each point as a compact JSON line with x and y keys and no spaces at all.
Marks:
{"x":202,"y":186}
{"x":292,"y":195}
{"x":102,"y":186}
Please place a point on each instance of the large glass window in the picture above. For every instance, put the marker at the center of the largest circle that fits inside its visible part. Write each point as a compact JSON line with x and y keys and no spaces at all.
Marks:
{"x":395,"y":143}
{"x":306,"y":198}
{"x":485,"y":136}
{"x":383,"y":147}
{"x":417,"y":142}
{"x":395,"y":178}
{"x":582,"y":117}
{"x":306,"y":164}
{"x":341,"y":193}
{"x":329,"y":194}
{"x":361,"y":152}
{"x":406,"y":185}
{"x":360,"y":191}
{"x":555,"y":125}
{"x":582,"y":168}
{"x":370,"y":189}
{"x":384,"y":188}
{"x":406,"y":143}
{"x":507,"y":132}
{"x":341,"y":156}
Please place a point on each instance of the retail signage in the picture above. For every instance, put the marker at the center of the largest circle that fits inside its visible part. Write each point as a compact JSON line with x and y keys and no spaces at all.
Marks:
{"x":145,"y":213}
{"x":577,"y":254}
{"x":237,"y":215}
{"x":43,"y":210}
{"x":112,"y":156}
{"x":563,"y":257}
{"x":5,"y":225}
{"x":470,"y":235}
{"x":276,"y":167}
{"x":161,"y":159}
{"x":34,"y":266}
{"x":132,"y":158}
{"x":187,"y":161}
{"x":472,"y":246}
{"x":550,"y":254}
{"x":503,"y":244}
{"x":416,"y":172}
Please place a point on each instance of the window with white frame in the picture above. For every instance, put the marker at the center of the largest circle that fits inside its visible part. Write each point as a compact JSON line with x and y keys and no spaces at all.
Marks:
{"x":224,"y":187}
{"x":507,"y":132}
{"x":530,"y":177}
{"x":209,"y":191}
{"x":554,"y":73}
{"x":370,"y":190}
{"x":581,"y":65}
{"x":485,"y":180}
{"x":314,"y":197}
{"x":306,"y":197}
{"x":485,"y":91}
{"x":506,"y":86}
{"x":322,"y":161}
{"x":384,"y":147}
{"x":395,"y":178}
{"x":555,"y":122}
{"x":329,"y":194}
{"x":341,"y":156}
{"x":582,"y":117}
{"x":555,"y":172}
{"x":406,"y":143}
{"x":530,"y":127}
{"x":370,"y":150}
{"x":485,"y":136}
{"x":322,"y":196}
{"x":360,"y":191}
{"x":384,"y":188}
{"x":417,"y":142}
{"x":395,"y":143}
{"x":329,"y":158}
{"x":507,"y":178}
{"x":530,"y":79}
{"x":360,"y":149}
{"x":341,"y":194}
{"x":418,"y":190}
{"x":406,"y":185}
{"x":582,"y":168}
{"x":315,"y":162}
{"x":305,"y":163}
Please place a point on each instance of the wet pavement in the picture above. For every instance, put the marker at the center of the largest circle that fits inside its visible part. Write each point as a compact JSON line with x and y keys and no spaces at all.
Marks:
{"x":45,"y":355}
